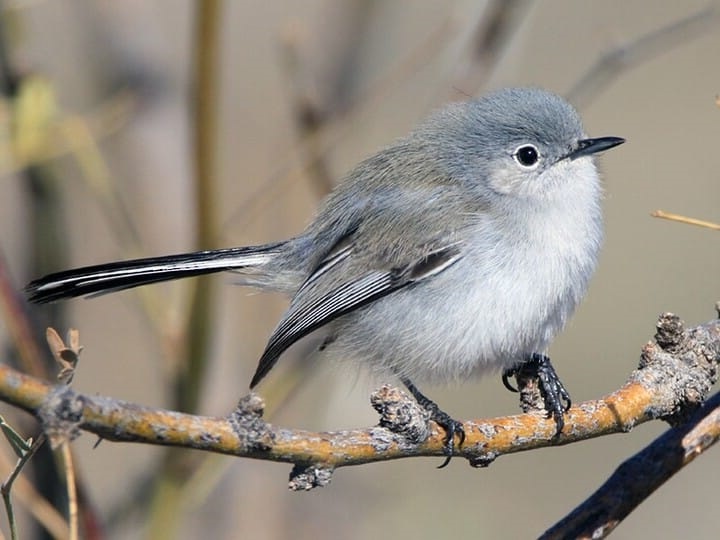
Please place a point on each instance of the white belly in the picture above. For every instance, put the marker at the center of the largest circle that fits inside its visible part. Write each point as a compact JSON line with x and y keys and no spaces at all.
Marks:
{"x":493,"y":308}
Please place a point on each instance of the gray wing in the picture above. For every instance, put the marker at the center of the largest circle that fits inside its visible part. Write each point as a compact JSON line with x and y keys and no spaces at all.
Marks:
{"x":314,"y":306}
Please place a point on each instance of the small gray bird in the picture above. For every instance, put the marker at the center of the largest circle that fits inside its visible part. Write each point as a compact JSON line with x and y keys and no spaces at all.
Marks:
{"x":460,"y":249}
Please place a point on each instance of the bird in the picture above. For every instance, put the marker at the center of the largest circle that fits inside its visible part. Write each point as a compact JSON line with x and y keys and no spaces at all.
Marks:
{"x":460,"y":249}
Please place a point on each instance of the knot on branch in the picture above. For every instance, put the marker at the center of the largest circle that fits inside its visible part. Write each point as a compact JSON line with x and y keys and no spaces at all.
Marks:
{"x":401,"y":414}
{"x":61,"y":415}
{"x":482,"y":461}
{"x":307,"y":477}
{"x":246,"y":421}
{"x":680,"y":367}
{"x":528,"y":387}
{"x":670,"y":332}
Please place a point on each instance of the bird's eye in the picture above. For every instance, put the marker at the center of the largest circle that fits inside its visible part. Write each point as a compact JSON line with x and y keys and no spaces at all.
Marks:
{"x":527,"y":156}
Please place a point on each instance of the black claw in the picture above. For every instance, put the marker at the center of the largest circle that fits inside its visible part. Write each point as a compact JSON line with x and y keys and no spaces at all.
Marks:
{"x":452,"y":427}
{"x":510,"y":372}
{"x":556,"y":397}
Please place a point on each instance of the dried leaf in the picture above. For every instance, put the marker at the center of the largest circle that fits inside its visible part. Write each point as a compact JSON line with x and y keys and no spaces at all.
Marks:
{"x":66,"y":357}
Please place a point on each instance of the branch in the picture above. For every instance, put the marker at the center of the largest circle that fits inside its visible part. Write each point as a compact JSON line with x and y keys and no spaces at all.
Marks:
{"x":639,"y":476}
{"x":684,"y":219}
{"x":646,"y":47}
{"x":675,"y":375}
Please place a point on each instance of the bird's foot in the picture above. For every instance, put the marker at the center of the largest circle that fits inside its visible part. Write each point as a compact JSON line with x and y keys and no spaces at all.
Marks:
{"x":451,"y":426}
{"x":555,"y":397}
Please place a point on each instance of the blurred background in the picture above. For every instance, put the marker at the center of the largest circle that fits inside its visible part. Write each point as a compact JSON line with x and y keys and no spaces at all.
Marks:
{"x":117,"y":140}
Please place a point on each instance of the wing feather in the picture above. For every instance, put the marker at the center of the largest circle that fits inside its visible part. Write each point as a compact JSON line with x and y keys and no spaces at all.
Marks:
{"x":313,"y":307}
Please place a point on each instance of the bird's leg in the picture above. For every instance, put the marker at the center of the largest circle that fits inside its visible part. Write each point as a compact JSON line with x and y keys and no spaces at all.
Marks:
{"x":452,"y":427}
{"x":554,"y":395}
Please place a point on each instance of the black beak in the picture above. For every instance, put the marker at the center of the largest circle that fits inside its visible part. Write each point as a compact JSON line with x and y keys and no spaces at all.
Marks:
{"x":587,"y":147}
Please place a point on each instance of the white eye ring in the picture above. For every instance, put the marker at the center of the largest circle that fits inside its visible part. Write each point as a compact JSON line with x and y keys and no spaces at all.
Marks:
{"x":527,"y":156}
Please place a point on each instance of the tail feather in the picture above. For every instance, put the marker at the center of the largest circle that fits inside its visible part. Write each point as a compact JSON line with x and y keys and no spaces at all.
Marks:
{"x":105,"y":278}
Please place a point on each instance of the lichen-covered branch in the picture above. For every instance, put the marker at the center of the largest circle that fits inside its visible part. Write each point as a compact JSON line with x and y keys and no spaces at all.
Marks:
{"x":675,"y":375}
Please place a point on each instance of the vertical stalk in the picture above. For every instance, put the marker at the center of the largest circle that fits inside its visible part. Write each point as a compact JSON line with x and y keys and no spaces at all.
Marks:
{"x":46,"y":236}
{"x":199,"y":327}
{"x":176,"y":464}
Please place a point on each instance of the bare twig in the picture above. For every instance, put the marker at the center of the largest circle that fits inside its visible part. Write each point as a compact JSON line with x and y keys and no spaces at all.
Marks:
{"x":344,"y":121}
{"x":684,"y":219}
{"x":478,"y":58}
{"x":310,"y":114}
{"x":69,"y":466}
{"x":18,"y":324}
{"x":199,"y":329}
{"x":640,"y":50}
{"x":25,"y":492}
{"x":6,"y":487}
{"x":67,"y":357}
{"x":192,"y":367}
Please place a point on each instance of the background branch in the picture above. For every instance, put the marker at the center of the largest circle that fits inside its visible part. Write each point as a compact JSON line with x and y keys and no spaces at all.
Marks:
{"x":198,"y":334}
{"x":638,"y":477}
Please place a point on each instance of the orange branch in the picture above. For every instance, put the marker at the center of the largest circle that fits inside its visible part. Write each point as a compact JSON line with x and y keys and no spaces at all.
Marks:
{"x":674,"y":376}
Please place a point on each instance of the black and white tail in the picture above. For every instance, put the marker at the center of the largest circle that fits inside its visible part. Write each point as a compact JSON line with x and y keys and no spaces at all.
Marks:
{"x":116,"y":276}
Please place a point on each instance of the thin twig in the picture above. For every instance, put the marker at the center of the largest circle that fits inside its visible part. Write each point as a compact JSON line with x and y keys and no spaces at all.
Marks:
{"x":477,"y":58}
{"x":67,"y":356}
{"x":38,"y":506}
{"x":199,"y":329}
{"x":641,"y":49}
{"x":684,"y":219}
{"x":344,"y":121}
{"x":18,"y":324}
{"x":69,"y":467}
{"x":191,"y":369}
{"x":6,"y":487}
